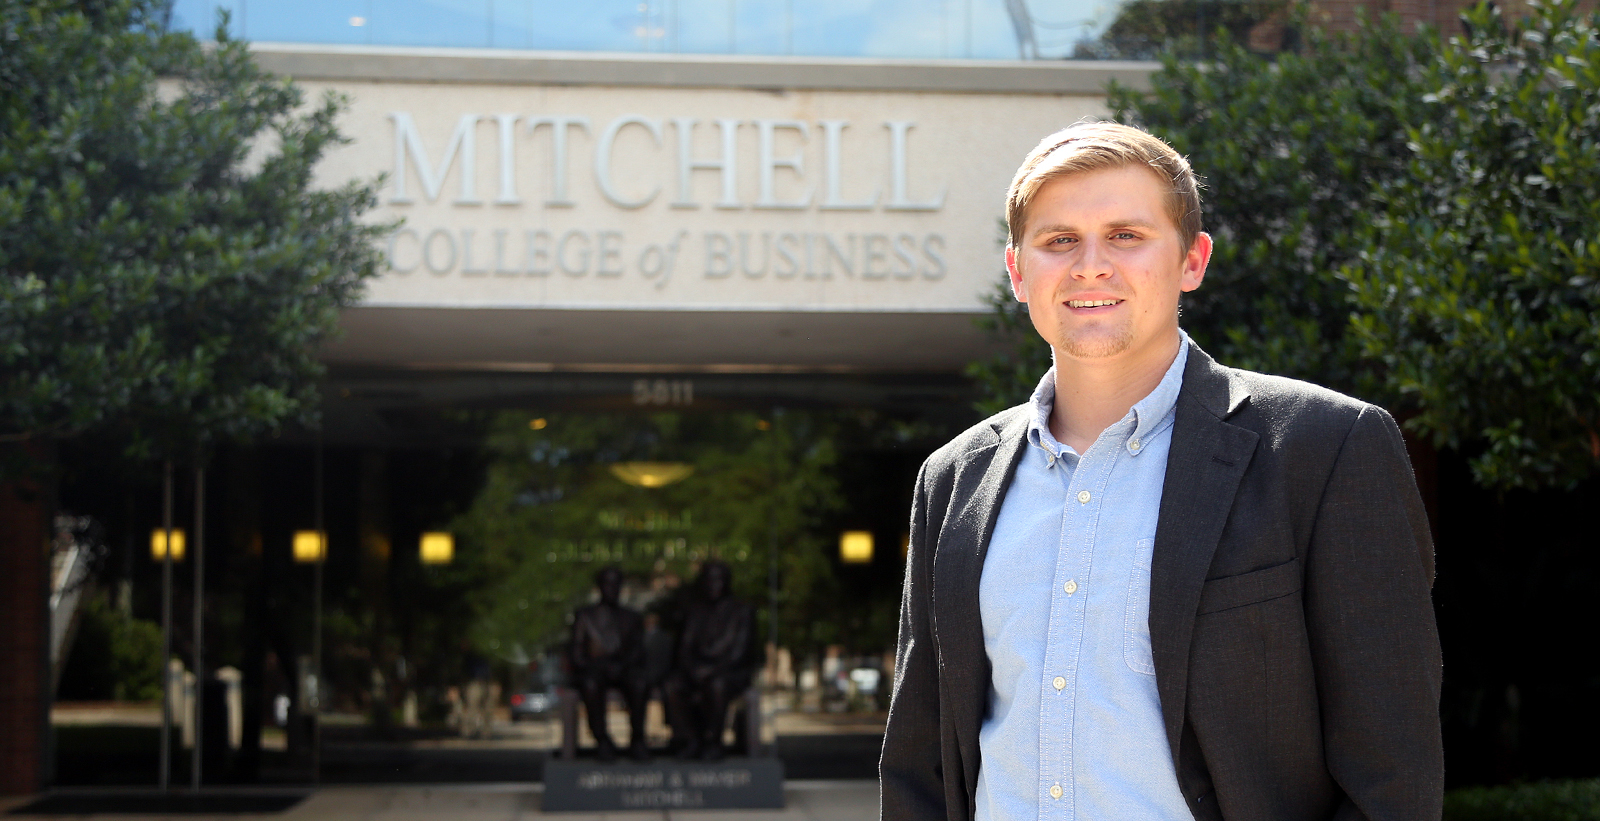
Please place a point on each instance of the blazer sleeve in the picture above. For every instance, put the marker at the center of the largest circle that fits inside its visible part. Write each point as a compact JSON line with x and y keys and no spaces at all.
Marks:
{"x":1374,"y":641}
{"x":910,"y":774}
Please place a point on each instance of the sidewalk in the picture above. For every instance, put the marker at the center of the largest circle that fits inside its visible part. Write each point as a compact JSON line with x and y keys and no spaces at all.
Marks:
{"x":804,"y":801}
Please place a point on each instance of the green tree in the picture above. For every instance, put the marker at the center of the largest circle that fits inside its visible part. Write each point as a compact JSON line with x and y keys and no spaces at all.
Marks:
{"x":552,"y":512}
{"x":1478,"y":282}
{"x":166,"y":266}
{"x":114,"y":656}
{"x":1144,"y":29}
{"x":1292,"y":151}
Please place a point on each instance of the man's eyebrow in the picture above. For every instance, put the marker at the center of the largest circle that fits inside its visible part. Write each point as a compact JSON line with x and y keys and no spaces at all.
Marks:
{"x":1052,"y":229}
{"x":1130,"y":222}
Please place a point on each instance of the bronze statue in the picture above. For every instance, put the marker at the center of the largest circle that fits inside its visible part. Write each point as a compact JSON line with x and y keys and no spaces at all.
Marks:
{"x":714,"y":664}
{"x":607,"y":651}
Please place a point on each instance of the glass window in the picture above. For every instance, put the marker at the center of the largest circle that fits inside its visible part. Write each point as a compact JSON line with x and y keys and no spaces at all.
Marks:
{"x":921,"y":29}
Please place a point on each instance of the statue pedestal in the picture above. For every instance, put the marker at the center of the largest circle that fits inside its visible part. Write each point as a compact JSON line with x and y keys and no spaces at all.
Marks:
{"x":666,"y":784}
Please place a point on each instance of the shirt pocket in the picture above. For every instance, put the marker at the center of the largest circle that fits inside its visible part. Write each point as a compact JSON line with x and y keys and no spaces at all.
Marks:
{"x":1136,"y":614}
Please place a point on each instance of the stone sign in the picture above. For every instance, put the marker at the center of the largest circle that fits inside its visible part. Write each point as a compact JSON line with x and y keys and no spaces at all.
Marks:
{"x":601,"y":197}
{"x":738,"y":783}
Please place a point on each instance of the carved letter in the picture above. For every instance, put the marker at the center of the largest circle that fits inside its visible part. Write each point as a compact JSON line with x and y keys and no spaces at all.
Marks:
{"x":508,"y":161}
{"x":834,"y":252}
{"x":874,"y":248}
{"x":427,"y":252}
{"x":538,"y":249}
{"x":609,"y":248}
{"x":561,"y":254}
{"x":905,"y":249}
{"x":408,"y":142}
{"x":898,"y":198}
{"x":602,"y":159}
{"x":834,"y":199}
{"x":744,"y":255}
{"x":466,"y":256}
{"x":500,"y":269}
{"x":394,"y":242}
{"x":558,"y":155}
{"x":788,"y":244}
{"x":719,"y":255}
{"x":933,"y":249}
{"x":688,"y":165}
{"x":770,"y":164}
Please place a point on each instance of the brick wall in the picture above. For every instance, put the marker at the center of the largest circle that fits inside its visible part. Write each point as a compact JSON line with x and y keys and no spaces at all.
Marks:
{"x":24,"y":632}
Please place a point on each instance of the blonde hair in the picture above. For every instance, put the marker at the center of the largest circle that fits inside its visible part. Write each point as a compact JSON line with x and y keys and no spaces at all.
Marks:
{"x":1097,"y":146}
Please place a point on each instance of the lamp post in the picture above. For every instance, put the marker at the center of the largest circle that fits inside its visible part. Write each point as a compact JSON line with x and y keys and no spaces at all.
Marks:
{"x":169,"y":546}
{"x":316,"y":624}
{"x":199,"y":706}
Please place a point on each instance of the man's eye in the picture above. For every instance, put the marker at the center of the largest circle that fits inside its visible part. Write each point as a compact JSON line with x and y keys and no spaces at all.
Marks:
{"x":1062,"y":240}
{"x":1124,"y":235}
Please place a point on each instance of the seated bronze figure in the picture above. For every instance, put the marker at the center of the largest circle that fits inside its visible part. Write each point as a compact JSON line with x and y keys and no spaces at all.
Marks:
{"x":714,"y":664}
{"x":607,"y":652}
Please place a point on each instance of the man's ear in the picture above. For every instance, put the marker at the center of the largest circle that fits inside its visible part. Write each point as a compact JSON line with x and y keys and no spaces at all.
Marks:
{"x":1195,"y":262}
{"x":1016,"y":274}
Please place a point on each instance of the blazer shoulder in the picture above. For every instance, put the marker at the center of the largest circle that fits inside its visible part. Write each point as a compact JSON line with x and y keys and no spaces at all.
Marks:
{"x":1291,"y":414}
{"x":1292,"y":399}
{"x":982,"y":436}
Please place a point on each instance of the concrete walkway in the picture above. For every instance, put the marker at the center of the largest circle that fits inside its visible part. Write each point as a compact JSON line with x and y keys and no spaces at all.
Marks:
{"x":804,"y":801}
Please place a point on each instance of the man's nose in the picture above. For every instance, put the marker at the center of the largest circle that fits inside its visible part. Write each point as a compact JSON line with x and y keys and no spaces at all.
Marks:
{"x":1093,"y":261}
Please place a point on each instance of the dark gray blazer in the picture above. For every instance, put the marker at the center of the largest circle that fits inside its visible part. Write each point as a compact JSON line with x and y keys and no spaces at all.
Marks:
{"x":1295,"y":649}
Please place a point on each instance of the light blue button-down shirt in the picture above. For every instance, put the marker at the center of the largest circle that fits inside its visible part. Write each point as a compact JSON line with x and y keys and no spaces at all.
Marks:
{"x":1074,"y":729}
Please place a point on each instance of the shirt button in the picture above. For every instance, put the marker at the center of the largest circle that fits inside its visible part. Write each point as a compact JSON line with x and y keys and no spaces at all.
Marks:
{"x":1083,"y":497}
{"x":1134,"y":444}
{"x":1055,"y":791}
{"x":1070,"y":587}
{"x":1059,"y":683}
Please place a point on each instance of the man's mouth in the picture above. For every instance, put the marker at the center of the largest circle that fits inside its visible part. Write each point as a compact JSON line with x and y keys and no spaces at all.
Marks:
{"x":1091,"y":303}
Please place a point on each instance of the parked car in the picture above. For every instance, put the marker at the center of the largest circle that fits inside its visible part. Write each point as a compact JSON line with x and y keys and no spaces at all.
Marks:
{"x":532,"y":704}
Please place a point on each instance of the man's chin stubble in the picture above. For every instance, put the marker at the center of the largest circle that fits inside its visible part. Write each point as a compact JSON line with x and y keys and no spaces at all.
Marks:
{"x":1096,"y":347}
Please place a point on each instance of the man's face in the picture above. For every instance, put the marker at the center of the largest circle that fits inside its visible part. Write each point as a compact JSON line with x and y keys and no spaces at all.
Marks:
{"x":714,"y":581}
{"x":1101,"y":265}
{"x":610,"y":584}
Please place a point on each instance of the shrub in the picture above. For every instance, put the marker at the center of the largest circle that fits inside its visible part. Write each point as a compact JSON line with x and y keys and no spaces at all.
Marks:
{"x":1545,"y":801}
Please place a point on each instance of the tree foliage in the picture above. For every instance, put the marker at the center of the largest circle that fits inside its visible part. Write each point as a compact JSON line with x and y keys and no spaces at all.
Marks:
{"x":551,"y":513}
{"x":1399,"y":218}
{"x":114,"y":656}
{"x":1292,"y":151}
{"x":1144,"y":29}
{"x":1478,"y":282}
{"x":166,"y":266}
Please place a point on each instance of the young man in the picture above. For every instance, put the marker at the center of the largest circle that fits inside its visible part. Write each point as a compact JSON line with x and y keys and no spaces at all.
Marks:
{"x":1163,"y":588}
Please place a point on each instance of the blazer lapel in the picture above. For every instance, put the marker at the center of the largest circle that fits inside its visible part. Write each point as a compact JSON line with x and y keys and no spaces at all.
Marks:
{"x":1207,"y":459}
{"x":978,"y":490}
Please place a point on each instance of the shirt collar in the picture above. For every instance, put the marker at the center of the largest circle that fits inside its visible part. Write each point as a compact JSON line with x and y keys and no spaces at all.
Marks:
{"x":1147,"y":415}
